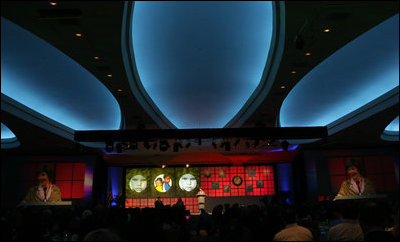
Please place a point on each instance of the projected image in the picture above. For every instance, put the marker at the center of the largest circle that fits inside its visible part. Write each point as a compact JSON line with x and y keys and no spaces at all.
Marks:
{"x":187,"y":182}
{"x":162,"y":184}
{"x":138,"y":183}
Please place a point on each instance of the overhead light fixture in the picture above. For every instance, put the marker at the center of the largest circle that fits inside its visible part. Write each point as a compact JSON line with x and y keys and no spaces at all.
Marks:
{"x":119,"y":148}
{"x":53,"y":3}
{"x":177,"y":145}
{"x":109,"y":146}
{"x":164,"y":145}
{"x":163,"y":166}
{"x":283,"y":87}
{"x":187,"y":165}
{"x":308,"y":53}
{"x":119,"y":90}
{"x":285,"y":145}
{"x":78,"y":35}
{"x":146,"y":145}
{"x":96,"y":57}
{"x":256,"y":143}
{"x":109,"y":75}
{"x":327,"y":30}
{"x":293,"y":72}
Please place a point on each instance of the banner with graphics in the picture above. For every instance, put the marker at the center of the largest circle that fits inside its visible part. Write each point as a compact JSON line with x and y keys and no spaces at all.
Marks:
{"x":162,"y":182}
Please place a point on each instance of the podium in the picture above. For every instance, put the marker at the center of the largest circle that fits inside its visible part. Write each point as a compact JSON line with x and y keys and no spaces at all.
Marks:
{"x":60,"y":203}
{"x":361,"y":197}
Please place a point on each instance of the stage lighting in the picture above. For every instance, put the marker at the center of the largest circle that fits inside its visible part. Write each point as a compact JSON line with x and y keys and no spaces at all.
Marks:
{"x":164,"y":145}
{"x":177,"y":145}
{"x":187,"y":165}
{"x":134,"y":145}
{"x":256,"y":143}
{"x":163,"y":166}
{"x":109,"y":146}
{"x":119,"y":148}
{"x":146,"y":145}
{"x":285,"y":145}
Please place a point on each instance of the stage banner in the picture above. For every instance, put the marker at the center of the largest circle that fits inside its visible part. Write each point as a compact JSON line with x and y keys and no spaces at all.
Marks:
{"x":159,"y":182}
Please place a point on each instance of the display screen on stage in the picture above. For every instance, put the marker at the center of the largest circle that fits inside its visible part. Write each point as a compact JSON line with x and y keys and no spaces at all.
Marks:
{"x":162,"y":182}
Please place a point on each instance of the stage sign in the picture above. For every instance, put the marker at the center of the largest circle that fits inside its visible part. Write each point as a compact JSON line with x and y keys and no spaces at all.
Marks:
{"x":158,"y":182}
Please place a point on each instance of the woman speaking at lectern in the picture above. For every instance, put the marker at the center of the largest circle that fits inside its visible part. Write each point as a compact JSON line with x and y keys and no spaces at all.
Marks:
{"x":44,"y":191}
{"x":356,"y":185}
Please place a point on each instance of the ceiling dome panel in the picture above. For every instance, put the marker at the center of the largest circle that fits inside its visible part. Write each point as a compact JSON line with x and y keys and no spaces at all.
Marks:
{"x":39,"y":76}
{"x":199,"y":62}
{"x":363,"y":71}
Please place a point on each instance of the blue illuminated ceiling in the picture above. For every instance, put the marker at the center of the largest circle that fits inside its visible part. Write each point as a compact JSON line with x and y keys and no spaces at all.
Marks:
{"x":357,"y":75}
{"x":391,"y":132}
{"x":44,"y":79}
{"x":8,"y":138}
{"x":200,"y":62}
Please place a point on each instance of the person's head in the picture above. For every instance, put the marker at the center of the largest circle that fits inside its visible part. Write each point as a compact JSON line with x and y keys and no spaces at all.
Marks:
{"x":138,"y":183}
{"x":43,"y":175}
{"x":159,"y":182}
{"x":187,"y":182}
{"x":353,"y":169}
{"x":167,"y":179}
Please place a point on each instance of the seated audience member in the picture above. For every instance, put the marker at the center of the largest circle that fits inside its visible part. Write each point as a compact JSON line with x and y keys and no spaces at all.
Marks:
{"x":349,"y":228}
{"x":292,"y":231}
{"x":373,"y":218}
{"x":45,"y":191}
{"x":102,"y":235}
{"x":158,"y":203}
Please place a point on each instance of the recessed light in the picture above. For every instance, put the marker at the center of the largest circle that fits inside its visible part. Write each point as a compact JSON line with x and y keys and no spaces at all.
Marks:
{"x":308,"y":53}
{"x":120,"y":90}
{"x":109,"y":75}
{"x":96,"y":57}
{"x":78,"y":35}
{"x":283,"y":87}
{"x":53,"y":3}
{"x":293,"y":72}
{"x":327,"y":30}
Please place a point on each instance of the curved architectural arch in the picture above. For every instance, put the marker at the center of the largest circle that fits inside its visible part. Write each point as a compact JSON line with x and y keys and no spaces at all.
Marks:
{"x":8,"y":138}
{"x":356,"y":82}
{"x":202,"y":86}
{"x":391,"y":132}
{"x":37,"y":78}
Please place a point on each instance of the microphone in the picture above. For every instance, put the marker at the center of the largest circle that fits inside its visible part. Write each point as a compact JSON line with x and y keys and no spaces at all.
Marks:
{"x":45,"y":195}
{"x":358,"y":185}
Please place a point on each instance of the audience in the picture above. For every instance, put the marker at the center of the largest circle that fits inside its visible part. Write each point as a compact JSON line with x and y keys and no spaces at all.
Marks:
{"x":349,"y":228}
{"x":275,"y":220}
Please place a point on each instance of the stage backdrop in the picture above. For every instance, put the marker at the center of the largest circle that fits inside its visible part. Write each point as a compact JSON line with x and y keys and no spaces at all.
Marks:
{"x":158,"y":182}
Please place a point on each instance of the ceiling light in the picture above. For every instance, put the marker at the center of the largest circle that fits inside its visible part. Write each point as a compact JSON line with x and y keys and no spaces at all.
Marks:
{"x":327,"y":30}
{"x":119,"y":90}
{"x":293,"y":72}
{"x":308,"y":53}
{"x":109,"y":146}
{"x":283,"y":87}
{"x":78,"y":35}
{"x":164,"y":145}
{"x":53,"y":3}
{"x":109,"y":75}
{"x":96,"y":57}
